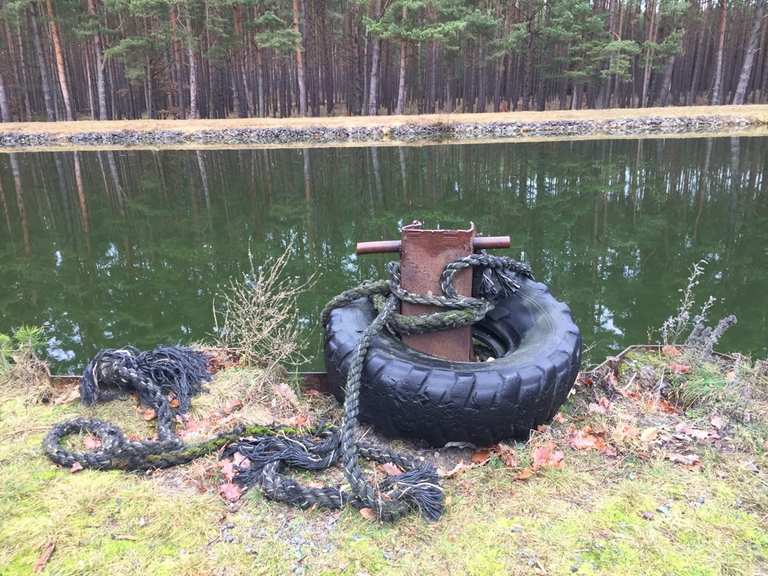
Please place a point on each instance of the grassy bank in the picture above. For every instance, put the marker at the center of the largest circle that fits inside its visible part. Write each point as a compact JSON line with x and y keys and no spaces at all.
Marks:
{"x":394,"y":130}
{"x":656,"y":465}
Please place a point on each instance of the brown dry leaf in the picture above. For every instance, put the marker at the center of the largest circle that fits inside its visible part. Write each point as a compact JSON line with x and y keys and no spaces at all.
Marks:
{"x":624,"y":432}
{"x":76,"y":467}
{"x":390,"y":469}
{"x":685,"y":459}
{"x":559,"y":418}
{"x":174,"y":402}
{"x":368,"y":513}
{"x":600,"y":407}
{"x":507,"y":455}
{"x":227,"y":469}
{"x":481,"y":456}
{"x":45,"y":555}
{"x":149,"y":414}
{"x":230,"y":492}
{"x":524,"y":474}
{"x":667,"y":406}
{"x":91,"y":442}
{"x":232,"y":407}
{"x":679,"y":368}
{"x":670,"y":351}
{"x":453,"y":471}
{"x":287,"y":393}
{"x":547,"y":456}
{"x":301,"y":420}
{"x":241,"y":461}
{"x":585,"y":439}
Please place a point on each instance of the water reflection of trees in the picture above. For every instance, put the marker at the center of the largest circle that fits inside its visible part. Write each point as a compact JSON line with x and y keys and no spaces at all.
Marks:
{"x":116,"y":247}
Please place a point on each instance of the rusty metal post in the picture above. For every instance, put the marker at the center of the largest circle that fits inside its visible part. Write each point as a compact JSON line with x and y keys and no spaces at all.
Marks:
{"x":423,"y":255}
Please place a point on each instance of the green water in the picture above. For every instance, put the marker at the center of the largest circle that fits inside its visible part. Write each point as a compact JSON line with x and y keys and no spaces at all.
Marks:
{"x":136,"y":252}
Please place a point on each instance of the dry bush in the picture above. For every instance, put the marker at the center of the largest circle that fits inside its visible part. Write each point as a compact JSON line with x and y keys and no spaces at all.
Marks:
{"x":701,"y":339}
{"x":257,"y":316}
{"x":22,"y":372}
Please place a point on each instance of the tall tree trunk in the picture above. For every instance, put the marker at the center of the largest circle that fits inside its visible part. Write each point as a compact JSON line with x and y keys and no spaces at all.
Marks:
{"x":59,"y":55}
{"x":299,"y":59}
{"x":373,"y":87}
{"x":717,"y":83}
{"x":97,"y":48}
{"x":699,"y":57}
{"x":24,"y":79}
{"x":666,"y":84}
{"x":651,"y":39}
{"x":50,"y":108}
{"x":749,"y":56}
{"x":401,"y":80}
{"x":5,"y":111}
{"x":193,"y":109}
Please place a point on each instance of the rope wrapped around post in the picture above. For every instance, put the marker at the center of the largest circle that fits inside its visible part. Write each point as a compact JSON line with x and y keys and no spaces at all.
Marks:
{"x":181,"y":371}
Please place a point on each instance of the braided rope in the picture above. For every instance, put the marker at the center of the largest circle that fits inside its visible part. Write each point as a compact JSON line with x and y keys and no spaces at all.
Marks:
{"x":267,"y":448}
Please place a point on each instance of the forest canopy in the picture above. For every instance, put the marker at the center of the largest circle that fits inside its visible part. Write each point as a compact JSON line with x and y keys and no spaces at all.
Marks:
{"x":114,"y":59}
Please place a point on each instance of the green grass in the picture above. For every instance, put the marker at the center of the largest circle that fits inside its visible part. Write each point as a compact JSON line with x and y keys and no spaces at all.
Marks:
{"x":596,"y":515}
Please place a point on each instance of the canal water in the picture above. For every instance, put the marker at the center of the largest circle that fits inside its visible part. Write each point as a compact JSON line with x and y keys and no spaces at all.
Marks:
{"x":130,"y":247}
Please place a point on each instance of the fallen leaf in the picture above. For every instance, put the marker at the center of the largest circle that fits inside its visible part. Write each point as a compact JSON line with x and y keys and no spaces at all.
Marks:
{"x":667,"y":406}
{"x":730,"y":376}
{"x":679,"y":368}
{"x":686,"y":459}
{"x":230,"y":492}
{"x":241,"y":461}
{"x":301,"y":420}
{"x":368,"y":513}
{"x":232,"y":407}
{"x":480,"y":456}
{"x":624,"y":432}
{"x":390,"y":469}
{"x":91,"y":442}
{"x":312,"y":392}
{"x":670,"y":351}
{"x":149,"y":414}
{"x":76,"y":467}
{"x":227,"y":469}
{"x":559,"y":418}
{"x":174,"y":402}
{"x":45,"y":555}
{"x":453,"y":471}
{"x":585,"y":439}
{"x":717,"y":422}
{"x":507,"y":455}
{"x":700,"y":435}
{"x":524,"y":474}
{"x":287,"y":393}
{"x":649,"y":435}
{"x":547,"y":456}
{"x":600,"y":407}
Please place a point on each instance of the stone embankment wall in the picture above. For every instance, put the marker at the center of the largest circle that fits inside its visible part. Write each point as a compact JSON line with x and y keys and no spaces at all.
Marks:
{"x":386,"y":131}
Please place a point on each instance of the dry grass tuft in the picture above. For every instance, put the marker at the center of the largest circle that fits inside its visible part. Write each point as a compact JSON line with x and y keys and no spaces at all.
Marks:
{"x":22,"y":373}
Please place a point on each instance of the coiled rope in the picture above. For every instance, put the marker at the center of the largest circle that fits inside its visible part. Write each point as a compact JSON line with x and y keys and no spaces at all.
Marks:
{"x":181,"y":371}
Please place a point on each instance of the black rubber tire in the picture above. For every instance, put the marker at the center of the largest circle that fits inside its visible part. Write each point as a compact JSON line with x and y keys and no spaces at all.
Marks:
{"x":410,"y":394}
